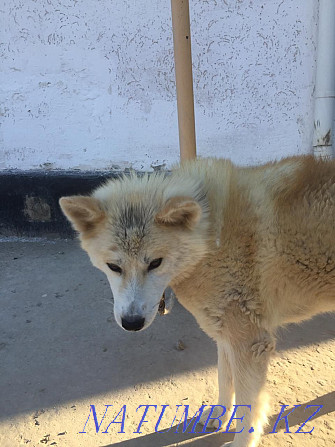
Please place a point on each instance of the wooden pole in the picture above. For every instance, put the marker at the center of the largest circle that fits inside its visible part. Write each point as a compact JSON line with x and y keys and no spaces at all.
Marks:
{"x":184,"y":80}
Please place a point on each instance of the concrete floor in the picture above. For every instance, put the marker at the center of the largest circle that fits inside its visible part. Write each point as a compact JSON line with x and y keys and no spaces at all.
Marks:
{"x":61,"y":351}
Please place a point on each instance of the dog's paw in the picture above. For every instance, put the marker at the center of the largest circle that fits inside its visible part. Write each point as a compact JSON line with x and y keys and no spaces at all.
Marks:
{"x":214,"y":424}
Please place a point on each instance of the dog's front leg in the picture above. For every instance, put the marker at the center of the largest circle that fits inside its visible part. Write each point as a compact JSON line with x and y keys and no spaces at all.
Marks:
{"x":226,"y":390}
{"x":250,"y":357}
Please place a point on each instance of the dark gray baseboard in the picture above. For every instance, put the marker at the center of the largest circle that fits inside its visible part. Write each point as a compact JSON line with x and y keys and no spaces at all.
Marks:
{"x":29,"y":200}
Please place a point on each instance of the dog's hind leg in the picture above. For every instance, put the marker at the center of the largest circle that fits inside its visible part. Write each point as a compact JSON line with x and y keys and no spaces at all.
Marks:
{"x":226,"y":389}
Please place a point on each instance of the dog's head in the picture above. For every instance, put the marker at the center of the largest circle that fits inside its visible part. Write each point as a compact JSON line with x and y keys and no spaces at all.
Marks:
{"x":143,"y":233}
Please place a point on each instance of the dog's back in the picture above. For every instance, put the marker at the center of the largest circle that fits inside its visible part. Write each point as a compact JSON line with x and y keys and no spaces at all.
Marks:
{"x":273,"y":241}
{"x":298,"y":256}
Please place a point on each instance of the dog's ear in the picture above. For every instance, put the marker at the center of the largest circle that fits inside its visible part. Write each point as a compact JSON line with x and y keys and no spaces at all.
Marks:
{"x":180,"y":211}
{"x":83,"y":212}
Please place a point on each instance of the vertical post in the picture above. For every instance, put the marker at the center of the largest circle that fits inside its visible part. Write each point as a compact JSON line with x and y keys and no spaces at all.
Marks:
{"x":325,"y":82}
{"x":184,"y":80}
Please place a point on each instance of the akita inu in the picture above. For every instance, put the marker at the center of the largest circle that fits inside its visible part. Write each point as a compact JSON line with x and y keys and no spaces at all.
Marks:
{"x":245,"y":250}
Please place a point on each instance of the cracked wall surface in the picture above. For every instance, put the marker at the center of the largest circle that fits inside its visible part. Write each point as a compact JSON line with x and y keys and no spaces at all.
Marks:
{"x":90,"y":85}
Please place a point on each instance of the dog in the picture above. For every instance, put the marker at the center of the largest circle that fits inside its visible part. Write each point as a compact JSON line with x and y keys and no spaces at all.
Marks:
{"x":245,"y":249}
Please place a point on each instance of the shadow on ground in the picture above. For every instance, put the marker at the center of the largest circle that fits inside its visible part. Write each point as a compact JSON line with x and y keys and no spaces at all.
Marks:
{"x":59,"y":341}
{"x":277,"y":423}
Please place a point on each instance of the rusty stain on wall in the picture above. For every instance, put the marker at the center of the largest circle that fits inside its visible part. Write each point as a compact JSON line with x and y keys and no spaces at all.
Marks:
{"x":327,"y":138}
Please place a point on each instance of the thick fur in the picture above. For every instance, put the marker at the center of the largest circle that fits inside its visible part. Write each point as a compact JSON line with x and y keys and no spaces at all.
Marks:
{"x":246,"y":250}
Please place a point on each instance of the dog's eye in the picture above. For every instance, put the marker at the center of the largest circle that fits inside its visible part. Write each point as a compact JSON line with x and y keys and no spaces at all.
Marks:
{"x":114,"y":267}
{"x":155,"y":263}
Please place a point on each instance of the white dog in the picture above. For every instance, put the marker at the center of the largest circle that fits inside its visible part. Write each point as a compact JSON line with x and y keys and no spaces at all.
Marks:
{"x":246,"y":250}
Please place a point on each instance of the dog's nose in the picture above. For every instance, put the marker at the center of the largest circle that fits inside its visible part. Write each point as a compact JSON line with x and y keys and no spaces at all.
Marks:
{"x":133,"y":323}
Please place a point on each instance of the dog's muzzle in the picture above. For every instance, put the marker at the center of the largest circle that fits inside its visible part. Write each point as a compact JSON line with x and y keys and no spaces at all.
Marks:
{"x":133,"y":323}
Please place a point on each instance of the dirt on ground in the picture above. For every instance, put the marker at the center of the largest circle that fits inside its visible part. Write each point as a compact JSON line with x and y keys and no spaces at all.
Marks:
{"x":71,"y":377}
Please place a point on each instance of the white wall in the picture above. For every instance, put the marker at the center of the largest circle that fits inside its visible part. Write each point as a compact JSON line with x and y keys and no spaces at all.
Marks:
{"x":90,"y":83}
